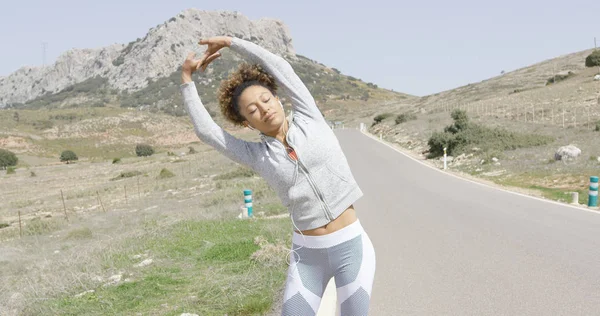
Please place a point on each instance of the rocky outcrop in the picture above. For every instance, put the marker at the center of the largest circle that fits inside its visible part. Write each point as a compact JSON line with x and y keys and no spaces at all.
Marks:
{"x":158,"y":54}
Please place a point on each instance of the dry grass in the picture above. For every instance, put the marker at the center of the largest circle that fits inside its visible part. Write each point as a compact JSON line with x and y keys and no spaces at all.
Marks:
{"x":57,"y":259}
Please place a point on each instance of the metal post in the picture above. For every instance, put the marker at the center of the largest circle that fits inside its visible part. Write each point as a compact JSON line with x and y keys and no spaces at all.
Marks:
{"x":248,"y":201}
{"x":593,"y":195}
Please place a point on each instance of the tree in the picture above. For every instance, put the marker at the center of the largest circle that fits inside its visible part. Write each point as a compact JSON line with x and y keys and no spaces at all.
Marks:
{"x":68,"y":156}
{"x":144,"y":150}
{"x":7,"y":159}
{"x":593,"y":60}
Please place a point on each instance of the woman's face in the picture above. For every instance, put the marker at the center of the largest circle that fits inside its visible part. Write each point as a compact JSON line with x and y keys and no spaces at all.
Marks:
{"x":261,"y":109}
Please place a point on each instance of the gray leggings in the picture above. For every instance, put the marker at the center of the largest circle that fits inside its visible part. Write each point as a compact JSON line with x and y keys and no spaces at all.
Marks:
{"x":346,"y":255}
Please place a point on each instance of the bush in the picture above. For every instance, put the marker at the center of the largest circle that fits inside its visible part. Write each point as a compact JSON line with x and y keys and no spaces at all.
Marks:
{"x":116,"y":160}
{"x":461,"y":121}
{"x":597,"y":129}
{"x":4,"y":225}
{"x":593,"y":60}
{"x":33,"y":174}
{"x":438,"y":141}
{"x":68,"y":156}
{"x":165,"y":173}
{"x":405,"y":117}
{"x":7,"y":159}
{"x":10,"y":170}
{"x":119,"y":61}
{"x":377,"y":119}
{"x":192,"y":150}
{"x":559,"y":78}
{"x":144,"y":150}
{"x":459,"y":136}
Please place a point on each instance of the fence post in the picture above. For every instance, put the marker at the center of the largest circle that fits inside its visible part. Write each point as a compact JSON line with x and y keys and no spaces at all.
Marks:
{"x":64,"y":206}
{"x":574,"y":197}
{"x":20,"y":226}
{"x":593,"y":195}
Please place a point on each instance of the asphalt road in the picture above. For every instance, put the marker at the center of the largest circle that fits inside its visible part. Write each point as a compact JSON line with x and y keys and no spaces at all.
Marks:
{"x":446,"y":246}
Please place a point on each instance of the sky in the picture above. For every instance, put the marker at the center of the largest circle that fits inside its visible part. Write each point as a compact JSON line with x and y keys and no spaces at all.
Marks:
{"x":415,"y":47}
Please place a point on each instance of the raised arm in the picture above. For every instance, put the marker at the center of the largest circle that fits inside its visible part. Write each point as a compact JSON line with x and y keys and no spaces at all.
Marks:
{"x":205,"y":127}
{"x":279,"y":68}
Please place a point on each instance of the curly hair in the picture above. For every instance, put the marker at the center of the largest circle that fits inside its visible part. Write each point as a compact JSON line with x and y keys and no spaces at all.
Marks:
{"x":229,"y":93}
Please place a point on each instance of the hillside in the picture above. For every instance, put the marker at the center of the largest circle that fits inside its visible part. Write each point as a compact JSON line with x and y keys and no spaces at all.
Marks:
{"x":100,"y":101}
{"x":526,"y":104}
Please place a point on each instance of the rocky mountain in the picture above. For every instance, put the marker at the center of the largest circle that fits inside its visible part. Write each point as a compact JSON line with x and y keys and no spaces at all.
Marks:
{"x":144,"y":72}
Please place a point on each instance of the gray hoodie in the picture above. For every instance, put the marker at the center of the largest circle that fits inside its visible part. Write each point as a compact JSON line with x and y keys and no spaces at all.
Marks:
{"x":319,"y":186}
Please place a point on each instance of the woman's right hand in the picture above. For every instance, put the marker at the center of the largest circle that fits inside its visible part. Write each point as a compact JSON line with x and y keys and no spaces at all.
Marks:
{"x":192,"y":64}
{"x":212,"y":51}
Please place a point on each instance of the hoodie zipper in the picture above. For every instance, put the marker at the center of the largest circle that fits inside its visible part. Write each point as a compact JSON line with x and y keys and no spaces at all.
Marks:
{"x":316,"y":190}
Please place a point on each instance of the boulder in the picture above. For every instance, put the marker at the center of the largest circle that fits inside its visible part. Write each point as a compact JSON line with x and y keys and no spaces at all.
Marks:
{"x":567,"y":152}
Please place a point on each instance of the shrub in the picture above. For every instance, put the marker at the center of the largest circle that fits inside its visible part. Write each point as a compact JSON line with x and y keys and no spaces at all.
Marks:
{"x":42,"y":124}
{"x":165,"y":173}
{"x":119,"y":61}
{"x":560,"y":77}
{"x":4,"y":225}
{"x":438,"y":141}
{"x":597,"y":129}
{"x":144,"y":150}
{"x":192,"y":150}
{"x":593,"y":59}
{"x":33,"y":174}
{"x":377,"y":119}
{"x":405,"y":117}
{"x":116,"y":160}
{"x":462,"y":134}
{"x":461,"y":121}
{"x":7,"y":159}
{"x":68,"y":156}
{"x":10,"y":170}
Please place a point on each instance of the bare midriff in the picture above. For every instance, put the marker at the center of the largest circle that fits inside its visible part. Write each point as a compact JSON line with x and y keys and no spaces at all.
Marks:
{"x":346,"y":218}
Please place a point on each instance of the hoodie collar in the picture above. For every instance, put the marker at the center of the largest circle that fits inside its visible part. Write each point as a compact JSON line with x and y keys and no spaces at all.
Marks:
{"x":270,"y":139}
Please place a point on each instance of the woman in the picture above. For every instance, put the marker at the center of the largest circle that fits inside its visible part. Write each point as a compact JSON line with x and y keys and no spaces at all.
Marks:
{"x":301,"y":159}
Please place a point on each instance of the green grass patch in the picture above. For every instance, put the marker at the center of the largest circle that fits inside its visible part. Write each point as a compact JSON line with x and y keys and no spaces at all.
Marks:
{"x":240,"y":172}
{"x":555,"y":194}
{"x":4,"y":225}
{"x":165,"y":173}
{"x":84,"y":147}
{"x":201,"y":267}
{"x":80,"y":233}
{"x":39,"y":226}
